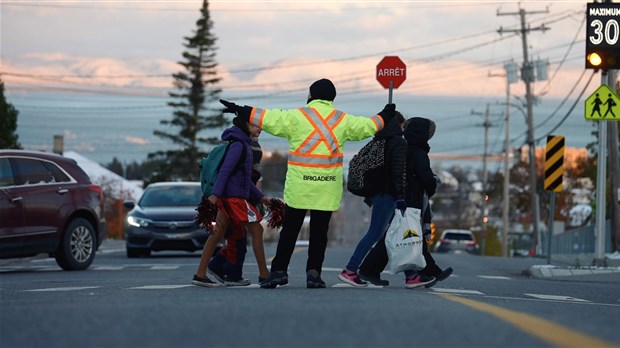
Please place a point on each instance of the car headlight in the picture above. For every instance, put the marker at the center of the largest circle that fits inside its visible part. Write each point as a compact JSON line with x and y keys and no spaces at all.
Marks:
{"x":138,"y":222}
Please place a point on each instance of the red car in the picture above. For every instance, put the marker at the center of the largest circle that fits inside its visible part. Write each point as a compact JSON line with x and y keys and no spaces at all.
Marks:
{"x":49,"y":205}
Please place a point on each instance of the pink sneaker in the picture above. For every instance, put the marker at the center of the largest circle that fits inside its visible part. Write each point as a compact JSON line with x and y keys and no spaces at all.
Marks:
{"x":418,"y":280}
{"x":352,"y":278}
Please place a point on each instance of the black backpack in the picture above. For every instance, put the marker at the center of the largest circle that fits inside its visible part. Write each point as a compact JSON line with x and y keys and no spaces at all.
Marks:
{"x":368,"y":169}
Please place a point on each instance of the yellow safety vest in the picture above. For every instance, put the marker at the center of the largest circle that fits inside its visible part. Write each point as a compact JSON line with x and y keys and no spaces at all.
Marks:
{"x":316,"y":135}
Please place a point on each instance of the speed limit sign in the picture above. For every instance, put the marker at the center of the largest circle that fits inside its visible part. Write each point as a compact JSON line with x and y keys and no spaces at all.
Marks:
{"x":603,"y":36}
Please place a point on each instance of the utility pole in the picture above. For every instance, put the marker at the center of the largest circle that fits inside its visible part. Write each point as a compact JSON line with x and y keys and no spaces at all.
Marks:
{"x":511,"y":77}
{"x":485,"y":219}
{"x":527,"y":76}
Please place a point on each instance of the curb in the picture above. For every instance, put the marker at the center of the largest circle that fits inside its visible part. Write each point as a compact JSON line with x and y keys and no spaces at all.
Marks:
{"x":546,"y":271}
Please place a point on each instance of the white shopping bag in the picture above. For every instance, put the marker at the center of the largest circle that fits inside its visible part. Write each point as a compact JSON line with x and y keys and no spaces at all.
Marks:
{"x":403,"y":241}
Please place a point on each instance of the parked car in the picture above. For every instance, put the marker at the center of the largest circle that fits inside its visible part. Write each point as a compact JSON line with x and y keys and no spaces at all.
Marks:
{"x":164,"y":219}
{"x":457,"y":240}
{"x":49,"y":205}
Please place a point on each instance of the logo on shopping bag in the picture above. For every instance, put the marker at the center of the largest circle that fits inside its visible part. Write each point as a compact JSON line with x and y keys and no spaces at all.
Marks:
{"x":410,"y":233}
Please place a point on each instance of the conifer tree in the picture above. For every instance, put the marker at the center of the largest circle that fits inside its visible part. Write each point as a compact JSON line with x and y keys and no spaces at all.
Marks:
{"x":8,"y":123}
{"x":194,"y":98}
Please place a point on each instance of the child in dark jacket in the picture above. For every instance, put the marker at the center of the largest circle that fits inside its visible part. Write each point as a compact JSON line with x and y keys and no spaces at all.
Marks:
{"x":421,"y":181}
{"x":389,"y":197}
{"x":227,"y":264}
{"x":232,"y":192}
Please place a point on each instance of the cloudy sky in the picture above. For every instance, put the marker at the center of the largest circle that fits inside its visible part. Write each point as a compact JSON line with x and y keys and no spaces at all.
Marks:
{"x":450,"y":47}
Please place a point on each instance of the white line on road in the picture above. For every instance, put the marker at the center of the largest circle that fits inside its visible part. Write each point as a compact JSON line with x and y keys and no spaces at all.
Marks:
{"x":557,"y":298}
{"x":163,"y":267}
{"x":457,"y":291}
{"x":343,"y":285}
{"x":159,"y":287}
{"x":69,"y":288}
{"x":494,"y":277}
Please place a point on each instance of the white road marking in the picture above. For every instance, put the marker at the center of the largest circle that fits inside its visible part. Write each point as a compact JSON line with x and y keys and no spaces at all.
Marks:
{"x":107,"y":268}
{"x":457,"y":291}
{"x":163,"y":267}
{"x":494,"y":277}
{"x":160,"y":287}
{"x":68,"y":288}
{"x":343,"y":285}
{"x":557,"y":298}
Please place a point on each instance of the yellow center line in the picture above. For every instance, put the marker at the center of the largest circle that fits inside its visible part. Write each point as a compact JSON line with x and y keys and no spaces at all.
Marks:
{"x":546,"y":330}
{"x":294,"y":251}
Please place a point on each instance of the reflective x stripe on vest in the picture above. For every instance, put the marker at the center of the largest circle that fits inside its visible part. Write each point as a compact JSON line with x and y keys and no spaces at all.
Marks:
{"x":304,"y":156}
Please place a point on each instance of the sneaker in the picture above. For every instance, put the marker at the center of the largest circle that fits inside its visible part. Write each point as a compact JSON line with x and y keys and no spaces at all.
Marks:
{"x":275,"y":279}
{"x":352,"y":278}
{"x":219,"y":276}
{"x":206,"y":282}
{"x":444,"y":274}
{"x":374,"y":280}
{"x":237,"y":282}
{"x":419,"y":280}
{"x":313,"y":280}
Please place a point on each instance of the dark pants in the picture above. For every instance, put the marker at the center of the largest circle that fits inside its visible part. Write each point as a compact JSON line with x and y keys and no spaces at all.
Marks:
{"x":229,"y":260}
{"x":377,"y":259}
{"x":293,"y":220}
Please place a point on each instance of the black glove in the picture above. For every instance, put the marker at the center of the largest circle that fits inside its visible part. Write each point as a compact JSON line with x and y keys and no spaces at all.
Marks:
{"x":230,"y":107}
{"x":241,"y":111}
{"x":401,"y":205}
{"x":388,"y":113}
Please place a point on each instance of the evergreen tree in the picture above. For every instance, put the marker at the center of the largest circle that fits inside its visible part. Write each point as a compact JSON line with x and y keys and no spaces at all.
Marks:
{"x":8,"y":123}
{"x":193,"y":103}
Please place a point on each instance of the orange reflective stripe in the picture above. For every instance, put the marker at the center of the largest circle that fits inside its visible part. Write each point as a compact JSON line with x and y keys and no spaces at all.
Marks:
{"x":378,"y":120}
{"x":317,"y":161}
{"x":320,"y":126}
{"x":257,"y":120}
{"x":335,"y":145}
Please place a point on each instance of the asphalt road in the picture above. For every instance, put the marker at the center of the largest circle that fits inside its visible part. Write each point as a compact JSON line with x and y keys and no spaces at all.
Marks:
{"x":149,"y":302}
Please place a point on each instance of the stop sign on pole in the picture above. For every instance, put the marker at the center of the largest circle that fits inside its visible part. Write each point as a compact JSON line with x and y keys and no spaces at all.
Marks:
{"x":391,"y":69}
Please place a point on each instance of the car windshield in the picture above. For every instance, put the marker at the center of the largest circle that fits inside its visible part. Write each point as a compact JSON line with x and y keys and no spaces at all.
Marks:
{"x":458,"y":236}
{"x":171,"y":196}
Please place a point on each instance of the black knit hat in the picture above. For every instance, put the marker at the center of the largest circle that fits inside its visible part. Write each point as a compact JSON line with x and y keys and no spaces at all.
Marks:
{"x":241,"y":123}
{"x":322,"y":89}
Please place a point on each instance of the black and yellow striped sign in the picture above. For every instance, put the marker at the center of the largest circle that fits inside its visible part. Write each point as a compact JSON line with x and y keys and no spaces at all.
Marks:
{"x":554,"y":163}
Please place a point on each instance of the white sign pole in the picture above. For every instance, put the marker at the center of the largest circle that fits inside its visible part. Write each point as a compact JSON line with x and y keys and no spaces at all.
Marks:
{"x":390,"y":92}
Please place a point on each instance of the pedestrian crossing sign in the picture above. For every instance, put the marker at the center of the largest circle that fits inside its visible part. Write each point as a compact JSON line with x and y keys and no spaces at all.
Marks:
{"x":603,"y":105}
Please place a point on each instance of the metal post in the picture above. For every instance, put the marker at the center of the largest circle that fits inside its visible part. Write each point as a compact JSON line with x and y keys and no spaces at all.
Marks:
{"x":483,"y":245}
{"x":550,"y":230}
{"x":506,"y":193}
{"x":601,"y":187}
{"x":390,"y":92}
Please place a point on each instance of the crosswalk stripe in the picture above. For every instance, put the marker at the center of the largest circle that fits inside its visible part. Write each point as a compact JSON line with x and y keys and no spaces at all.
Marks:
{"x":457,"y":291}
{"x":68,"y":288}
{"x":343,"y":285}
{"x":557,"y":298}
{"x":107,"y":268}
{"x":159,"y":287}
{"x":163,"y":267}
{"x":494,"y":277}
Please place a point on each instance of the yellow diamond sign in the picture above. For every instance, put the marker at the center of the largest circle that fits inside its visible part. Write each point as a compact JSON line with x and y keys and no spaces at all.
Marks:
{"x":603,"y":105}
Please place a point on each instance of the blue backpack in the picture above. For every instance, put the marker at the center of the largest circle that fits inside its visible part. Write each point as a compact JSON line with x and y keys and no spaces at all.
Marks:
{"x":210,"y":167}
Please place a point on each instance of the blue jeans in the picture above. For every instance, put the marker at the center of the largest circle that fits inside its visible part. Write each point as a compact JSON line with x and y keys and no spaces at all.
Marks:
{"x":383,"y":207}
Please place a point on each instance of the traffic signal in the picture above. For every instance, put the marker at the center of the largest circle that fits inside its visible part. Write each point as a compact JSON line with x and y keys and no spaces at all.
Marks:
{"x":602,"y":58}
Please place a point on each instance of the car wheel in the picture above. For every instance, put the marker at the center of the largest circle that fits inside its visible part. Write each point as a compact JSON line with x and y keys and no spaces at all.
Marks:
{"x":76,"y":250}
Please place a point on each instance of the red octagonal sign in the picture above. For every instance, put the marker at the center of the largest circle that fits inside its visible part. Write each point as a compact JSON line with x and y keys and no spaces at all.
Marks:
{"x":391,"y":68}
